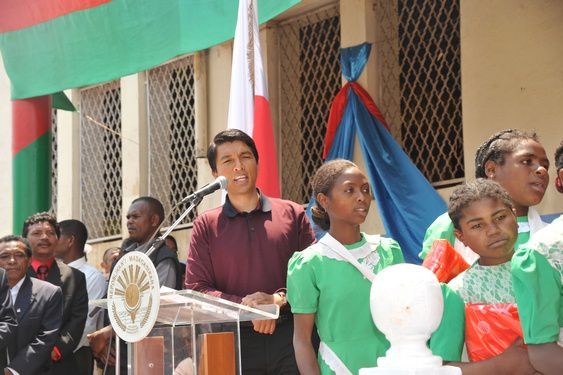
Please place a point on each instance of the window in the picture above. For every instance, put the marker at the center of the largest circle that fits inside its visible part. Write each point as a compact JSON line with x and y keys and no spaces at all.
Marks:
{"x":100,"y":159}
{"x":172,"y":152}
{"x":310,"y":77}
{"x":420,"y":75}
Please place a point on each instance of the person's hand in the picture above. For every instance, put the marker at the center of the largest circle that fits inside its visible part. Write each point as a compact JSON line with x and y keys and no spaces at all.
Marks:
{"x":99,"y":343}
{"x":267,"y":326}
{"x":258,"y":298}
{"x":515,"y":360}
{"x":261,"y":298}
{"x":109,"y":358}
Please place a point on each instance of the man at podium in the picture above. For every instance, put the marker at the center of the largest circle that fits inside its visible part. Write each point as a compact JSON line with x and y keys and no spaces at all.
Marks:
{"x":240,"y":251}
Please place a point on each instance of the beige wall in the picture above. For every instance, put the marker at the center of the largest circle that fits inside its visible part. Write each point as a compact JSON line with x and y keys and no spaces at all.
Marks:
{"x":512,"y":74}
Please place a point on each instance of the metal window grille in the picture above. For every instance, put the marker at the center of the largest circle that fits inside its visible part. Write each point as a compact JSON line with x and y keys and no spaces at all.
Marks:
{"x":419,"y":64}
{"x":54,"y":156}
{"x":310,"y":77}
{"x":100,"y":159}
{"x":172,"y":152}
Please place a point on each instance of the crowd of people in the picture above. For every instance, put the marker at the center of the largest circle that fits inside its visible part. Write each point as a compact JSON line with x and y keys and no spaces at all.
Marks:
{"x":256,"y":250}
{"x":46,"y":284}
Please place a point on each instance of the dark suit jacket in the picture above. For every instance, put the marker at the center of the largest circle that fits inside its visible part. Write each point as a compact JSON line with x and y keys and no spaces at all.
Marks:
{"x":8,"y":321}
{"x":39,"y":307}
{"x":75,"y":309}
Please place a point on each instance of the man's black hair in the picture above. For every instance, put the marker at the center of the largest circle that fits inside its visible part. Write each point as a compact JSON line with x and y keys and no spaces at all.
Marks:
{"x":39,"y":218}
{"x":228,"y":136}
{"x":75,"y":228}
{"x":155,"y":207}
{"x":12,"y":238}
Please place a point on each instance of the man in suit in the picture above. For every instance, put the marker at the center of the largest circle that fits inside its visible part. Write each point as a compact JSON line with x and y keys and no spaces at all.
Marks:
{"x":8,"y":320}
{"x":70,"y":249}
{"x":42,"y":231}
{"x":38,"y":305}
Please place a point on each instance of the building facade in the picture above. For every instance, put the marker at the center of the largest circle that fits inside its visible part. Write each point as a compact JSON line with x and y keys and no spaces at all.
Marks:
{"x":445,"y":75}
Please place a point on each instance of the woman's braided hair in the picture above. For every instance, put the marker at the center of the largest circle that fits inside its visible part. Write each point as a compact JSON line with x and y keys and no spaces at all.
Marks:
{"x":323,"y":182}
{"x":497,"y":146}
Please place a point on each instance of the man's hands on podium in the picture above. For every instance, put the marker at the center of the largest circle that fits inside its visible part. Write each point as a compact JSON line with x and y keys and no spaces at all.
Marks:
{"x":100,"y":345}
{"x":267,"y":326}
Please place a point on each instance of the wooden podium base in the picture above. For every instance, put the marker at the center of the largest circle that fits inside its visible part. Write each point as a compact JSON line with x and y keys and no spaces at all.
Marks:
{"x":217,"y":354}
{"x":149,"y":356}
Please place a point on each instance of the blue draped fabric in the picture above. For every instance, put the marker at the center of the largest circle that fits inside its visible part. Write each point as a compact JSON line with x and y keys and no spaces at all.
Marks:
{"x":407,"y":202}
{"x":353,"y":61}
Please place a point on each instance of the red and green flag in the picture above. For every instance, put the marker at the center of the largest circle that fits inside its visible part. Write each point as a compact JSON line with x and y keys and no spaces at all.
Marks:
{"x":31,"y":158}
{"x":52,"y":45}
{"x":48,"y":46}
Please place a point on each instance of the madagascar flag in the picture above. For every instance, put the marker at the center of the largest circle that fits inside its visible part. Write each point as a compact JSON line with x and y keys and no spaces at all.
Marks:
{"x":249,"y":109}
{"x":52,"y":45}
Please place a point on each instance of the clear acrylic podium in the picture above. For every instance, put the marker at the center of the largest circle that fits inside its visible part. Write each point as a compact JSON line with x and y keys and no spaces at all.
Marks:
{"x":195,"y":334}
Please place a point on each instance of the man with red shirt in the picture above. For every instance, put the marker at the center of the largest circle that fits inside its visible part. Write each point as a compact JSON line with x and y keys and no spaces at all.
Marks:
{"x":42,"y":231}
{"x":240,"y":251}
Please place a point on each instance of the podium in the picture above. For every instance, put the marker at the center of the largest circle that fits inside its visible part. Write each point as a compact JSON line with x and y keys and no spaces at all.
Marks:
{"x":194,"y":334}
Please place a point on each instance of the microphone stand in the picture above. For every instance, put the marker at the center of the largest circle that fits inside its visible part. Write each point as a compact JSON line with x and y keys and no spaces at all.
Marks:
{"x":195,"y":201}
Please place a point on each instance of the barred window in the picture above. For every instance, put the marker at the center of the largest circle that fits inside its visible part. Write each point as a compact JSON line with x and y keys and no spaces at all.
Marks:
{"x":100,"y":159}
{"x":172,"y":153}
{"x":310,"y":77}
{"x":53,"y":209}
{"x":419,"y":64}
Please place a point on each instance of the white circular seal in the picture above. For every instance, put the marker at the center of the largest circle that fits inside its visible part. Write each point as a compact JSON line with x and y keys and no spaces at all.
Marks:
{"x":133,"y":296}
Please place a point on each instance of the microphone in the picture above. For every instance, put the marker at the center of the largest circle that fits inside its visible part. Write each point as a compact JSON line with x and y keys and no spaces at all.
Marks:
{"x":219,"y":183}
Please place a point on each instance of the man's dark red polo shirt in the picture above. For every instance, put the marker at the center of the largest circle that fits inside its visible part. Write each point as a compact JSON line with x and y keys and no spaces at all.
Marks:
{"x":233,"y":254}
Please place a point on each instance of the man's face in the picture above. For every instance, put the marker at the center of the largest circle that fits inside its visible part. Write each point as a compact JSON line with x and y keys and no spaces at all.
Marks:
{"x":140,"y":223}
{"x":108,"y":261}
{"x":489,"y":228}
{"x":63,"y":245}
{"x":14,"y":259}
{"x":237,"y":163}
{"x":43,"y":239}
{"x":170,"y":244}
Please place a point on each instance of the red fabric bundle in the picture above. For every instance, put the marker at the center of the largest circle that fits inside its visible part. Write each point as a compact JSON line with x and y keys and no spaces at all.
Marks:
{"x":444,"y":261}
{"x":490,"y":329}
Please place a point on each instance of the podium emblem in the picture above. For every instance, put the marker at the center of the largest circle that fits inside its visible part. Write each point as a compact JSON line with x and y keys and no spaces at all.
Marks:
{"x":133,"y":296}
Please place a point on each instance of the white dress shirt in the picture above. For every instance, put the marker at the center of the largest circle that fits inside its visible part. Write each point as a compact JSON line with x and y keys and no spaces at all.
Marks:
{"x":16,"y":289}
